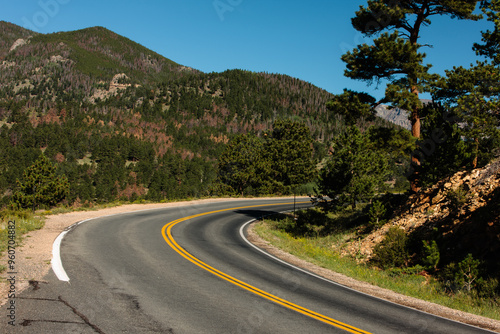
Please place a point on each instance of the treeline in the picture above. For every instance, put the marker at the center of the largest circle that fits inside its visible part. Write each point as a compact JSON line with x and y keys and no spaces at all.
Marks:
{"x":158,"y":136}
{"x":100,"y":168}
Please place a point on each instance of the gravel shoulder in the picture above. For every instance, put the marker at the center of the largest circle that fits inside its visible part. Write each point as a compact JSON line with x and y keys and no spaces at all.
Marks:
{"x":34,"y":256}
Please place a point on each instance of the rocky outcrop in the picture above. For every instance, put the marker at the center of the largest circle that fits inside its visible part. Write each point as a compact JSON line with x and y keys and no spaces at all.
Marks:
{"x":397,"y":116}
{"x":119,"y":82}
{"x":19,"y":42}
{"x":466,"y":205}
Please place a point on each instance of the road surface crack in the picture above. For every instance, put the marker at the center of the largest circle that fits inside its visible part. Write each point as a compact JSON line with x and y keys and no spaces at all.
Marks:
{"x":59,"y":299}
{"x":81,"y":315}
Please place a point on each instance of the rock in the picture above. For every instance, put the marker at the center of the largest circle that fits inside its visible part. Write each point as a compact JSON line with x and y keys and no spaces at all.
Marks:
{"x":18,"y":43}
{"x":438,"y":198}
{"x":430,"y":208}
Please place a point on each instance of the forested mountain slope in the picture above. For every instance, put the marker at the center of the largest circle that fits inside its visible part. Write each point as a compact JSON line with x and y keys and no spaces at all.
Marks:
{"x":123,"y":121}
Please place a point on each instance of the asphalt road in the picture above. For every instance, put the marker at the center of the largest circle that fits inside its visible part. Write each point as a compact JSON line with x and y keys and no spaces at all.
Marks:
{"x":156,"y":272}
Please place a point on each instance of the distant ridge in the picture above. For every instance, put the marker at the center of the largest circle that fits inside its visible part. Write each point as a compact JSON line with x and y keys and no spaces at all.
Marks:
{"x":397,"y":116}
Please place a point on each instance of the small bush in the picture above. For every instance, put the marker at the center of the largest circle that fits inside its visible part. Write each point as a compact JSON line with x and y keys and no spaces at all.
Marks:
{"x":392,"y":251}
{"x":376,"y":213}
{"x":309,"y":223}
{"x":488,"y":288}
{"x":431,"y":254}
{"x":464,"y":276}
{"x":467,"y":275}
{"x":457,"y":198}
{"x":286,"y":224}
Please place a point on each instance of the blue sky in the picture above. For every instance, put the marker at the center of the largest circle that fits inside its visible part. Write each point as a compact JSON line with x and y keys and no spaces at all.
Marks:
{"x":303,"y":39}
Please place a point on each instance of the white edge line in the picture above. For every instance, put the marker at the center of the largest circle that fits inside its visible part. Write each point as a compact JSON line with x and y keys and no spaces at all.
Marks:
{"x":56,"y":261}
{"x":242,"y":234}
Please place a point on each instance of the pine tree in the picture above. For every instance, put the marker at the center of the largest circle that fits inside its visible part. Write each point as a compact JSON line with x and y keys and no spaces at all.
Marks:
{"x":239,"y":164}
{"x":354,"y":171}
{"x":480,"y":125}
{"x":473,"y":94}
{"x":278,"y":163}
{"x":40,"y":186}
{"x":491,"y":39}
{"x":395,"y":54}
{"x":289,"y":149}
{"x":353,"y":106}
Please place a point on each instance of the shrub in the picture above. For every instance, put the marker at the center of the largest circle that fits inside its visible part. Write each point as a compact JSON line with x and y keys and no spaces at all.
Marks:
{"x":431,"y":254}
{"x":464,"y":276}
{"x":468,"y":273}
{"x":376,"y":212}
{"x":284,"y":223}
{"x":392,"y":251}
{"x":457,"y":198}
{"x":40,"y":186}
{"x":488,"y":288}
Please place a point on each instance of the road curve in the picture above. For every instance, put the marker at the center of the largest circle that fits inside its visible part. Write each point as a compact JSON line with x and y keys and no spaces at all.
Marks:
{"x":188,"y":270}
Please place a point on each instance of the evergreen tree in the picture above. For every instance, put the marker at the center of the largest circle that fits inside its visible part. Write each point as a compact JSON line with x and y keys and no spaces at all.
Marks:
{"x":353,"y":106}
{"x":354,"y":171}
{"x":473,"y":95}
{"x":289,"y":150}
{"x":240,"y":165}
{"x":397,"y":144}
{"x":395,"y":55}
{"x":277,"y":164}
{"x":441,"y":150}
{"x":40,"y":186}
{"x":491,"y":39}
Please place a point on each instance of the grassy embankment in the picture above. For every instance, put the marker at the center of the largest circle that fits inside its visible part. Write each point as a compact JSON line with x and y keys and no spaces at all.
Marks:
{"x":322,"y":245}
{"x":13,"y":226}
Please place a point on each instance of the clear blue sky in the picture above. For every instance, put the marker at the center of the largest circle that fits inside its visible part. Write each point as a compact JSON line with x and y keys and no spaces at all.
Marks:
{"x":303,"y":39}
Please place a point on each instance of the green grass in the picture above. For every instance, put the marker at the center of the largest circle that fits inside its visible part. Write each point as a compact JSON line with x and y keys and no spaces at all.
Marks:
{"x":23,"y":221}
{"x":319,"y":251}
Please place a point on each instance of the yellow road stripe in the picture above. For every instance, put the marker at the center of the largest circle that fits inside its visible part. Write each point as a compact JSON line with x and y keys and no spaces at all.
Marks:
{"x":167,"y":235}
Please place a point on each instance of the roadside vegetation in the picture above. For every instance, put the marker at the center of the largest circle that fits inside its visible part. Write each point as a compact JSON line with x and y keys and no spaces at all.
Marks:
{"x":321,"y":238}
{"x":13,"y":226}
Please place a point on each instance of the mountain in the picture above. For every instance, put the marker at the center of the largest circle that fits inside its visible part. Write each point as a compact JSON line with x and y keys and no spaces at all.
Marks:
{"x":9,"y":34}
{"x":77,"y":61}
{"x":397,"y":116}
{"x":461,"y":212}
{"x":123,"y":121}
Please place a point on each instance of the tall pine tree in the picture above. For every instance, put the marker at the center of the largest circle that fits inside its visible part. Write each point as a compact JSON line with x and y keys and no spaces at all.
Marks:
{"x":354,"y":172}
{"x":395,"y":54}
{"x":473,"y":94}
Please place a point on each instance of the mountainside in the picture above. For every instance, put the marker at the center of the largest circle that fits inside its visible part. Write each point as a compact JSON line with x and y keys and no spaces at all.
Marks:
{"x":76,"y":63}
{"x":462,"y":213}
{"x":94,"y":65}
{"x":90,"y":97}
{"x":9,"y":34}
{"x":397,"y":116}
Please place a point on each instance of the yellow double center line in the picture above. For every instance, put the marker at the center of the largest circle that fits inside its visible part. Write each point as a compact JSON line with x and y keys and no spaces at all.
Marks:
{"x":167,"y":235}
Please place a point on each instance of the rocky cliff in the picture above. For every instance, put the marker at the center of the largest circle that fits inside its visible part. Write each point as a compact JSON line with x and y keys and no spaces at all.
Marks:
{"x":461,"y":212}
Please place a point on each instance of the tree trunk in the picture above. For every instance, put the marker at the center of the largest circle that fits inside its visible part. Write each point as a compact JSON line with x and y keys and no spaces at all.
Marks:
{"x":415,"y":114}
{"x":476,"y":152}
{"x":415,"y":132}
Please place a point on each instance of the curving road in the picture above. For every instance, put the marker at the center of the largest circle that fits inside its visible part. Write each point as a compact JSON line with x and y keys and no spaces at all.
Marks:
{"x":189,"y":270}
